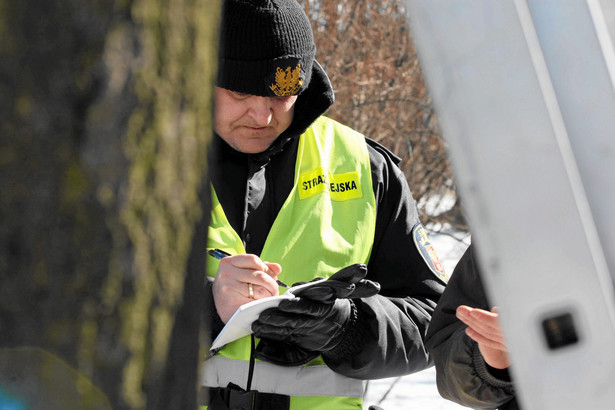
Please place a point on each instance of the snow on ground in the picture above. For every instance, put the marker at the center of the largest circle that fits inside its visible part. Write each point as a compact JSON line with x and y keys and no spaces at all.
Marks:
{"x":418,"y":391}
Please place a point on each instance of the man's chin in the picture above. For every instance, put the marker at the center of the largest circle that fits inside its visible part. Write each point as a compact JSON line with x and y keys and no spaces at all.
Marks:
{"x":250,"y":142}
{"x":255,"y":147}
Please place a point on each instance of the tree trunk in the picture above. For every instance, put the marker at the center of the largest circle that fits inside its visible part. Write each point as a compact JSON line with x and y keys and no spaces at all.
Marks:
{"x":105,"y":117}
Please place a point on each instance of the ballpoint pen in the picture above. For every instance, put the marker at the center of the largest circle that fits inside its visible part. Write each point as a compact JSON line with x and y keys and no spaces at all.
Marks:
{"x":219,"y":254}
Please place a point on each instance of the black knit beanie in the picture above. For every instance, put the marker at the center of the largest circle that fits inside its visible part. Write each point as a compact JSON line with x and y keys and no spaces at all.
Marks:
{"x":266,"y":47}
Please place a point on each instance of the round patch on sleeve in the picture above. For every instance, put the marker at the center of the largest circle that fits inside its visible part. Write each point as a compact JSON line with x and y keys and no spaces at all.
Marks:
{"x":427,"y":251}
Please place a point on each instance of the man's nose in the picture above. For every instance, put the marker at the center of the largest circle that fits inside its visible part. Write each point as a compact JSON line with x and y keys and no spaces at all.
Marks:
{"x":260,"y":110}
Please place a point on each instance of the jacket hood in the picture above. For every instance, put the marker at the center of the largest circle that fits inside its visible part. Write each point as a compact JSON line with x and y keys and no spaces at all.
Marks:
{"x":311,"y":103}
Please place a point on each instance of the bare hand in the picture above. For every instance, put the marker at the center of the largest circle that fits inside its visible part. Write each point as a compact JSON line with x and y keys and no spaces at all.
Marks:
{"x":484,"y":328}
{"x":231,"y":287}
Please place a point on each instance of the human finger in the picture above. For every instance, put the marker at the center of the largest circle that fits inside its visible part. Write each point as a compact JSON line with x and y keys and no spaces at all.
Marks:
{"x":481,"y":321}
{"x":246,"y":261}
{"x":240,"y":279}
{"x":485,"y":341}
{"x":249,"y":268}
{"x":273,"y":269}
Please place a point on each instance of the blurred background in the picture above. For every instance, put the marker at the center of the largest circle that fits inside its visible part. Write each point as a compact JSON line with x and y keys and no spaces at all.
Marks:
{"x":367,"y":50}
{"x":105,"y":119}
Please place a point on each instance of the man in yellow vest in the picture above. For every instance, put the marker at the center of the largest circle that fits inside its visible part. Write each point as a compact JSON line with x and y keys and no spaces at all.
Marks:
{"x":297,"y":196}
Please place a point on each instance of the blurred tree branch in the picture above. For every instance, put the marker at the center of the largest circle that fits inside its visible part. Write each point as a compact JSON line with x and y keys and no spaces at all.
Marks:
{"x":367,"y":50}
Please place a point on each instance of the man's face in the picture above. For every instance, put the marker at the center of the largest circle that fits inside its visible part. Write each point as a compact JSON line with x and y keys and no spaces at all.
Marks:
{"x":250,"y":123}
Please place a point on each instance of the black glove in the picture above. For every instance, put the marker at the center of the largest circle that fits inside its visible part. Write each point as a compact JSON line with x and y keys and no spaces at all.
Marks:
{"x":312,"y":325}
{"x":282,"y":353}
{"x":346,"y":283}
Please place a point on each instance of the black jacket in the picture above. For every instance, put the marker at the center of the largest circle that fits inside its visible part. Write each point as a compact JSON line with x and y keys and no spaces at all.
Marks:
{"x":462,"y":374}
{"x":388,"y":337}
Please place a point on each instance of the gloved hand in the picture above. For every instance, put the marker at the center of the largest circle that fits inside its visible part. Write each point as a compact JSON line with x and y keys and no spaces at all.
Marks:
{"x":346,"y":283}
{"x":309,"y":324}
{"x":283,"y":354}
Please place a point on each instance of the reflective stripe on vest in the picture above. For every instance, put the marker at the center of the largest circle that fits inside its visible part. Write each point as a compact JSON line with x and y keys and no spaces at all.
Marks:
{"x":327,"y":223}
{"x":316,"y":380}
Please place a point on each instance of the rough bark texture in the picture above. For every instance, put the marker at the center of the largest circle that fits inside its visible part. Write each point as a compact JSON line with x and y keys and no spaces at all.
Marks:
{"x":105,"y":117}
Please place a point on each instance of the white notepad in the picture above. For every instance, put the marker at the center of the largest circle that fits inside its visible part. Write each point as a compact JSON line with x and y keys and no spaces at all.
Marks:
{"x":240,"y":324}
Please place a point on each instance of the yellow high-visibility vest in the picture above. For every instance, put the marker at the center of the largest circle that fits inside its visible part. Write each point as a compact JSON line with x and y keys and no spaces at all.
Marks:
{"x":327,"y":223}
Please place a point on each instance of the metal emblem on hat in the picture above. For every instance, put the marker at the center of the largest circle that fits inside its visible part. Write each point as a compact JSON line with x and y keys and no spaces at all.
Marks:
{"x":286,"y":80}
